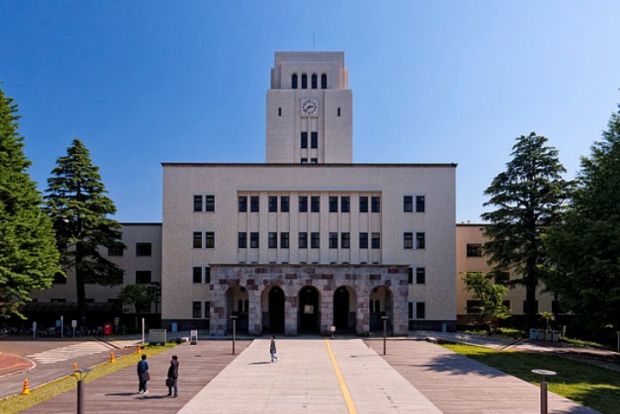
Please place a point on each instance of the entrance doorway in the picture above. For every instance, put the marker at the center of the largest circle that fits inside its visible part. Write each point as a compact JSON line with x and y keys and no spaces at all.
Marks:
{"x":345,"y":309}
{"x":237,"y":304}
{"x":309,"y":316}
{"x":275,"y":310}
{"x":380,"y":305}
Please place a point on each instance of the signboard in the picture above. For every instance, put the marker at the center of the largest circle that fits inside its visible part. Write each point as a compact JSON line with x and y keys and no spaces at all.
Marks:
{"x":117,"y":320}
{"x":308,"y":309}
{"x":74,"y":323}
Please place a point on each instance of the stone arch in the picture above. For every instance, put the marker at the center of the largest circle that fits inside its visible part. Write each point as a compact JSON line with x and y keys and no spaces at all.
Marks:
{"x":273,"y":309}
{"x":345,"y":309}
{"x":309,"y":310}
{"x":237,"y":304}
{"x":381,"y":303}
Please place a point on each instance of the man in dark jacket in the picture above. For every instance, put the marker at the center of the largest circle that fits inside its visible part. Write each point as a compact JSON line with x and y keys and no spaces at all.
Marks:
{"x":143,"y":375}
{"x":173,"y":375}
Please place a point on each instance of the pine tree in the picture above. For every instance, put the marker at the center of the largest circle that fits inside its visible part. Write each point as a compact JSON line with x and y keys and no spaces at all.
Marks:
{"x":77,"y":202}
{"x":586,"y":245}
{"x":28,"y":255}
{"x":529,"y":197}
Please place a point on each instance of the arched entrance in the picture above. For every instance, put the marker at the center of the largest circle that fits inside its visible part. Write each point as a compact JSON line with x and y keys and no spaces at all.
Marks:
{"x":272,"y":305}
{"x":237,"y":304}
{"x":345,"y":309}
{"x":380,"y":304}
{"x":309,"y":316}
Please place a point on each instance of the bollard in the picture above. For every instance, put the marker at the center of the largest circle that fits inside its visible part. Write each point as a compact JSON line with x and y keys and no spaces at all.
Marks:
{"x":385,"y":318}
{"x":543,"y":387}
{"x":138,"y":349}
{"x":75,"y":366}
{"x":26,"y":387}
{"x":112,"y":357}
{"x":234,"y":332}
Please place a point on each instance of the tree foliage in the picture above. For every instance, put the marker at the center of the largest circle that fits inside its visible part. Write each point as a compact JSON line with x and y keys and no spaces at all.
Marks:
{"x":528,"y":197}
{"x":586,"y":245}
{"x":140,"y":297}
{"x":80,"y":210}
{"x":490,"y":297}
{"x":28,"y":255}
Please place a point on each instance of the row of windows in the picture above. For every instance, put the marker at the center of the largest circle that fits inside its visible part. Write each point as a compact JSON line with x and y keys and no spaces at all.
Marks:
{"x":198,"y":273}
{"x":209,"y":240}
{"x":206,"y":203}
{"x":314,"y":80}
{"x":312,"y":161}
{"x":197,"y":310}
{"x":419,"y":204}
{"x":474,"y":305}
{"x":302,"y":241}
{"x":314,"y":139}
{"x":142,"y":249}
{"x":142,"y":277}
{"x":420,"y":310}
{"x":420,"y":240}
{"x":314,"y":204}
{"x":420,"y":275}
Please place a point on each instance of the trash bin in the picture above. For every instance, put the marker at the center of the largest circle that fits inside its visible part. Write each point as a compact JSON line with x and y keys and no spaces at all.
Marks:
{"x":533,"y":333}
{"x":107,"y":329}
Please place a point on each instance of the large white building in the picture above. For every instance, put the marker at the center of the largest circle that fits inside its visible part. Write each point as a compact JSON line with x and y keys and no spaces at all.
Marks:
{"x":308,"y":239}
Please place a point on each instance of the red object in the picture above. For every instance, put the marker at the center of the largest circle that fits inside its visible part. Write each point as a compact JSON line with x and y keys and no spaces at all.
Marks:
{"x":107,"y":329}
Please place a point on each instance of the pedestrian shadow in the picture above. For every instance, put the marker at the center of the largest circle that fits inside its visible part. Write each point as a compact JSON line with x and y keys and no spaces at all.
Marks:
{"x":152,"y":397}
{"x":259,"y":363}
{"x":121,"y":394}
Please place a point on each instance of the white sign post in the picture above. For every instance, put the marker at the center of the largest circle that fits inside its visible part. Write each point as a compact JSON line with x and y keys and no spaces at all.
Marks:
{"x":62,"y":326}
{"x":142,"y":331}
{"x":34,"y":329}
{"x":73,"y":326}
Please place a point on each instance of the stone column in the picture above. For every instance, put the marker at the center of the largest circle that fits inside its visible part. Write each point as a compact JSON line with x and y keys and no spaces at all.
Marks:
{"x":255,"y":317}
{"x":290,"y":313}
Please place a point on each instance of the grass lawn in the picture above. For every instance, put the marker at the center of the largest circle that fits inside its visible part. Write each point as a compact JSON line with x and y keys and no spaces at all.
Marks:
{"x":595,"y":387}
{"x":17,"y":403}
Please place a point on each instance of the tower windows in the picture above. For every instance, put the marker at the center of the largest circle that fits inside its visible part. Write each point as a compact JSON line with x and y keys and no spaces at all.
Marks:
{"x":338,"y":111}
{"x":304,"y":81}
{"x":314,"y":81}
{"x":304,"y":139}
{"x":314,"y":139}
{"x":294,"y":81}
{"x":324,"y":82}
{"x":280,"y":111}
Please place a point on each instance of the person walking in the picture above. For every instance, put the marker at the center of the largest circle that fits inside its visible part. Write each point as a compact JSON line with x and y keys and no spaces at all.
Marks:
{"x":143,"y":375}
{"x":173,"y":375}
{"x":272,"y":349}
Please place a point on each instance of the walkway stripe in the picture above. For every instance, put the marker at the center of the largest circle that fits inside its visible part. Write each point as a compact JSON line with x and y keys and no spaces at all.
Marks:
{"x":343,"y":385}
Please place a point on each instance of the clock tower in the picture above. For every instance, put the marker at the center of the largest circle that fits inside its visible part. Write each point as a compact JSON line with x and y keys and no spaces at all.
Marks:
{"x":309,"y":109}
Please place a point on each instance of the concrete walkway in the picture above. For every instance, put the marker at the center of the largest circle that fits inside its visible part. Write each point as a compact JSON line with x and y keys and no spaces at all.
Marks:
{"x":311,"y":376}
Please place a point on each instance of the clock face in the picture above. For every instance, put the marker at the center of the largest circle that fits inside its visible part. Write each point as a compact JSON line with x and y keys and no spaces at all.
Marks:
{"x":309,"y":107}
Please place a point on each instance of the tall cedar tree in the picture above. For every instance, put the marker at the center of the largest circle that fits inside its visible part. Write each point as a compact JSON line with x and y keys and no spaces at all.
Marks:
{"x":529,"y":197}
{"x":586,"y":245}
{"x":77,"y":202}
{"x":28,"y":255}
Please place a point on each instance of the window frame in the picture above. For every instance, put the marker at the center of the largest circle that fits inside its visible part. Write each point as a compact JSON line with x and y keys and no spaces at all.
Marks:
{"x":284,"y":240}
{"x":315,"y":240}
{"x":242,"y":204}
{"x":210,"y":203}
{"x":197,"y":275}
{"x":209,"y":240}
{"x":254,"y":240}
{"x":375,"y":240}
{"x":407,"y":204}
{"x":302,"y":240}
{"x":143,"y":273}
{"x":302,"y":206}
{"x":420,"y":204}
{"x":333,"y":239}
{"x":198,"y":203}
{"x":375,"y":204}
{"x":197,"y":240}
{"x":143,"y":253}
{"x":333,"y":204}
{"x":284,"y":204}
{"x":345,"y":204}
{"x":315,"y":204}
{"x":345,"y":240}
{"x":420,"y":275}
{"x":272,"y":241}
{"x":363,"y":240}
{"x":242,"y":240}
{"x":420,"y":240}
{"x":272,"y":204}
{"x":363,"y":204}
{"x":255,"y":204}
{"x":196,"y":310}
{"x":408,"y":240}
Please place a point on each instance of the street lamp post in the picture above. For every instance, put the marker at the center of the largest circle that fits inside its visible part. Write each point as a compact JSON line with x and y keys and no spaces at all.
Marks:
{"x":543,"y":387}
{"x":385,"y":318}
{"x":234,"y":332}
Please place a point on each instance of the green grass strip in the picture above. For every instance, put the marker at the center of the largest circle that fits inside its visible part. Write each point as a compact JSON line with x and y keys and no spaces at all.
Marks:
{"x":595,"y":387}
{"x":17,"y":403}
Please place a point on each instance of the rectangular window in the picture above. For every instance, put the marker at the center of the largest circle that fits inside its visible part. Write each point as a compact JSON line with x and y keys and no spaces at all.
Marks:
{"x":243,"y":204}
{"x":345,"y":240}
{"x":254,"y":204}
{"x":284,"y":240}
{"x":279,"y":111}
{"x":143,"y":276}
{"x":242,"y":240}
{"x":273,"y":204}
{"x":207,"y":310}
{"x":254,"y":240}
{"x":314,"y":160}
{"x":333,"y":240}
{"x":197,"y":203}
{"x":284,"y":204}
{"x":303,"y":204}
{"x":345,"y":204}
{"x":59,"y":279}
{"x":408,"y":240}
{"x":304,"y":139}
{"x":143,"y":249}
{"x":315,"y":240}
{"x":333,"y":204}
{"x":408,"y":204}
{"x":210,"y":240}
{"x":420,"y":275}
{"x":420,"y":310}
{"x":363,"y":240}
{"x":474,"y":250}
{"x":526,"y":305}
{"x":410,"y":310}
{"x":314,"y":139}
{"x":303,"y":240}
{"x":420,"y":204}
{"x":197,"y":240}
{"x":338,"y":112}
{"x":197,"y":275}
{"x":410,"y":276}
{"x":196,"y":310}
{"x":473,"y":306}
{"x":304,"y":160}
{"x":273,"y":240}
{"x":376,"y":204}
{"x":315,"y":204}
{"x":501,"y":278}
{"x":363,"y":204}
{"x":209,"y":203}
{"x":420,"y":240}
{"x":116,"y":249}
{"x":376,"y":241}
{"x":207,"y":275}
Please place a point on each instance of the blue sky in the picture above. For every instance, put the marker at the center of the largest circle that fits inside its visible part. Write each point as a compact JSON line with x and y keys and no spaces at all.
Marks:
{"x":141,"y":82}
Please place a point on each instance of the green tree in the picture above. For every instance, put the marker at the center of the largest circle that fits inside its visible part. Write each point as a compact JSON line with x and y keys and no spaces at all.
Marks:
{"x":529,"y":197}
{"x":77,"y":202}
{"x":140,"y":296}
{"x":490,"y":297}
{"x":586,"y":245}
{"x":28,"y":255}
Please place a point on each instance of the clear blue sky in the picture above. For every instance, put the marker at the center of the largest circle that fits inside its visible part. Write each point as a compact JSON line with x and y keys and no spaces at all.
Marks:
{"x":141,"y":82}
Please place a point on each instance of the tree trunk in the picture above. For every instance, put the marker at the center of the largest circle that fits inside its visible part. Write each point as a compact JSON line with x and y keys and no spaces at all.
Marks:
{"x":81,"y":293}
